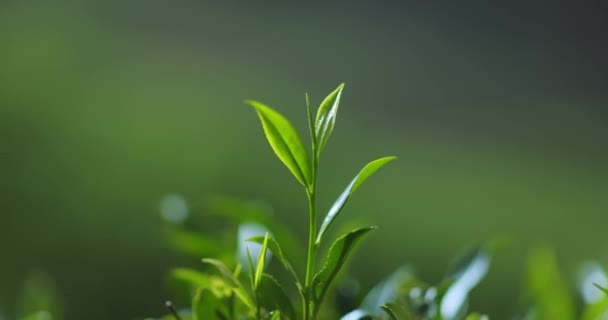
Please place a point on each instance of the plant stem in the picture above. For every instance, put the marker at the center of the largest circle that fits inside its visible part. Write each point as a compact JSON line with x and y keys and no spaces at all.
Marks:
{"x":312,"y":248}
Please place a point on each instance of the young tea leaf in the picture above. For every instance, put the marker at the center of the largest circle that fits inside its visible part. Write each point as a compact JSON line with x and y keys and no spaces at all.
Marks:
{"x":273,"y":297}
{"x":259,"y":270}
{"x":365,"y":173}
{"x":285,"y":142}
{"x":274,"y":247}
{"x":338,"y":253}
{"x":326,"y":118}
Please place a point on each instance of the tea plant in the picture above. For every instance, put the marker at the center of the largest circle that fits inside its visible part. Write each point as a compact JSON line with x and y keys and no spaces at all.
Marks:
{"x":226,"y":293}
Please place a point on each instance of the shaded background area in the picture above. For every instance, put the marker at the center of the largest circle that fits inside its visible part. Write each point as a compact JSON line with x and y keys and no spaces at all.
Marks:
{"x":497,"y":115}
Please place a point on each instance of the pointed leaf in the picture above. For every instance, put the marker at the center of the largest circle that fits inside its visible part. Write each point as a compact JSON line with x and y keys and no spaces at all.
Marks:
{"x":338,"y":253}
{"x":601,"y":288}
{"x":245,"y":231}
{"x":224,"y":271}
{"x":285,"y":141}
{"x":273,"y":297}
{"x":396,"y":312}
{"x":326,"y":118}
{"x":365,"y":173}
{"x":311,"y":124}
{"x":259,"y":270}
{"x":274,"y":247}
{"x":466,"y":274}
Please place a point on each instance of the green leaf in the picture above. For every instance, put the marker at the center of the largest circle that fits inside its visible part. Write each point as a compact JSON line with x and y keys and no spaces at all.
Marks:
{"x":365,"y":173}
{"x":246,"y":231}
{"x":275,"y":315}
{"x":546,"y":289}
{"x":396,"y":312}
{"x":232,"y":281}
{"x":285,"y":142}
{"x":357,"y":314}
{"x":259,"y":270}
{"x":38,"y":296}
{"x":273,"y":297}
{"x":205,"y":305}
{"x":273,"y":245}
{"x":193,"y":278}
{"x":388,"y":290}
{"x":224,"y":271}
{"x":311,"y":124}
{"x":193,"y":243}
{"x":326,"y":118}
{"x":463,"y":277}
{"x":338,"y":253}
{"x":477,"y":316}
{"x":601,"y":288}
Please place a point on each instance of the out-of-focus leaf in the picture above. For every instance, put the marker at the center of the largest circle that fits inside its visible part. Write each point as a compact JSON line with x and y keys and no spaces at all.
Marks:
{"x":274,"y":247}
{"x":338,"y":253}
{"x":365,"y":173}
{"x":224,"y":271}
{"x":590,"y":275}
{"x":275,"y":315}
{"x":193,"y":278}
{"x":357,"y":314}
{"x":477,"y":316}
{"x":388,"y":290}
{"x":193,"y":243}
{"x":545,"y":288}
{"x":39,"y":297}
{"x":206,"y":305}
{"x":596,"y":311}
{"x":326,"y":118}
{"x":466,"y":274}
{"x":396,"y":311}
{"x":259,"y":270}
{"x":601,"y":288}
{"x":246,"y":211}
{"x":272,"y":296}
{"x":238,"y":289}
{"x":285,"y":141}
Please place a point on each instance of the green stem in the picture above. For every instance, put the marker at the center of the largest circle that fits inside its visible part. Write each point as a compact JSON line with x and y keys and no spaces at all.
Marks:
{"x":312,"y":248}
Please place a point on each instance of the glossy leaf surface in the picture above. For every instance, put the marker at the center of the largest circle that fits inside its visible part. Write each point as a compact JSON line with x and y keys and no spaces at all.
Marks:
{"x":272,"y":296}
{"x":326,"y":118}
{"x":285,"y":141}
{"x":275,"y":248}
{"x":338,"y":253}
{"x":335,"y":209}
{"x":259,"y":270}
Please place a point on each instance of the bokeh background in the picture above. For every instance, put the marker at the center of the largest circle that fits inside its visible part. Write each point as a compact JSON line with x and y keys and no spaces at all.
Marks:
{"x":496,"y":112}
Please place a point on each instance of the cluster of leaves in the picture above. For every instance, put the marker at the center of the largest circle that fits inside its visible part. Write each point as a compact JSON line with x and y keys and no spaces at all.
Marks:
{"x":227,"y":294}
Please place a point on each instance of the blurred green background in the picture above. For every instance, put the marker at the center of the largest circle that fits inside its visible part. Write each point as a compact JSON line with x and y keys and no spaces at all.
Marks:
{"x":496,"y":112}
